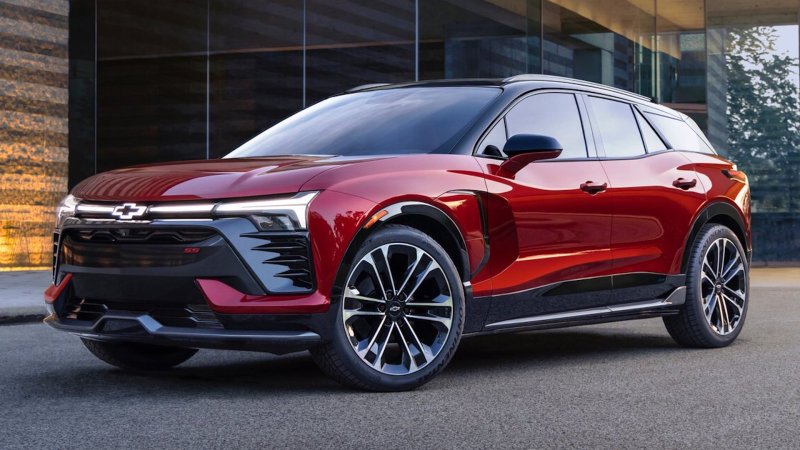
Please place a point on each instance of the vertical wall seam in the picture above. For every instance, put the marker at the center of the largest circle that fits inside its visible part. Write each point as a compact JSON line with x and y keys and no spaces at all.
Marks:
{"x":657,"y":56}
{"x":541,"y":37}
{"x":208,"y":79}
{"x":94,"y":87}
{"x":416,"y":40}
{"x":305,"y":30}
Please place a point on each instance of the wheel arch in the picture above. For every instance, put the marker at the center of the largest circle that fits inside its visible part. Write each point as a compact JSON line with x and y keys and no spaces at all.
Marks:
{"x":424,"y":217}
{"x":720,"y":213}
{"x":435,"y":223}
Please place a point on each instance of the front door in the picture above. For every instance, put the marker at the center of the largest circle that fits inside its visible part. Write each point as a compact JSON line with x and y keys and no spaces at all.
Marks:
{"x":550,"y":223}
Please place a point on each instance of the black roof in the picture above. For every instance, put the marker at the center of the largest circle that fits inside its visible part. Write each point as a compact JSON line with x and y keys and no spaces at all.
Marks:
{"x":549,"y":80}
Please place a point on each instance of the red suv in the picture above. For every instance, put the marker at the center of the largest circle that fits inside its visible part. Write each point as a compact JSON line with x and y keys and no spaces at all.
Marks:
{"x":380,"y":226}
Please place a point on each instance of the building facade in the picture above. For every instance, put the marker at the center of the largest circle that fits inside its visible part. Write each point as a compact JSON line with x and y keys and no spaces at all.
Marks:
{"x":155,"y":80}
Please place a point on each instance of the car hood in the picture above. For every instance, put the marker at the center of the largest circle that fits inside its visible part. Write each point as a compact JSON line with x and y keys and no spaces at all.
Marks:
{"x":209,"y":179}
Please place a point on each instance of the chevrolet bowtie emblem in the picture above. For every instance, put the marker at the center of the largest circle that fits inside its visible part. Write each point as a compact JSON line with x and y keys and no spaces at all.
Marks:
{"x":128,"y":211}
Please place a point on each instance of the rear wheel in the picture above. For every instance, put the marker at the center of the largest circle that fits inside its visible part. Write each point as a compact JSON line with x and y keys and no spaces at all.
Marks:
{"x":401,"y":314}
{"x":135,"y":356}
{"x":717,"y":281}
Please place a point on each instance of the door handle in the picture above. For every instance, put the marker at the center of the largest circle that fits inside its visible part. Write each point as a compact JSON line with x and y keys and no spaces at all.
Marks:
{"x":593,"y":188}
{"x":684,"y":184}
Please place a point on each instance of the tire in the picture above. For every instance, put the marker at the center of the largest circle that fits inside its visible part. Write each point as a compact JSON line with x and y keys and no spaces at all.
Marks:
{"x":701,"y":322}
{"x":405,"y":341}
{"x":135,"y":356}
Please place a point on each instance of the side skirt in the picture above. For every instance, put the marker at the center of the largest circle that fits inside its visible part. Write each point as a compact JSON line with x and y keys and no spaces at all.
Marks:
{"x":611,"y":313}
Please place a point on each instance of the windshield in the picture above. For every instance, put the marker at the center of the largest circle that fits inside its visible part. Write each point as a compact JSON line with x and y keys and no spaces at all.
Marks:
{"x":389,"y":121}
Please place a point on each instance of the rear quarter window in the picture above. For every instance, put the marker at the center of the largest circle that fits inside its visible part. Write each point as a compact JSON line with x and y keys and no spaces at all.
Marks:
{"x":681,"y":135}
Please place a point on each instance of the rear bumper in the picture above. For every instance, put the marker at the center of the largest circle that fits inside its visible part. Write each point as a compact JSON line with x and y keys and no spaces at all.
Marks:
{"x":125,"y":326}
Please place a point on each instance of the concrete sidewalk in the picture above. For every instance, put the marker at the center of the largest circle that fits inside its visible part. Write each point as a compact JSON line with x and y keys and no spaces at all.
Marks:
{"x":21,"y":295}
{"x":21,"y":292}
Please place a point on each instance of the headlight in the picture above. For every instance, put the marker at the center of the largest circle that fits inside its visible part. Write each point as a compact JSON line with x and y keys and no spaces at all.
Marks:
{"x":278,"y":214}
{"x":65,"y":210}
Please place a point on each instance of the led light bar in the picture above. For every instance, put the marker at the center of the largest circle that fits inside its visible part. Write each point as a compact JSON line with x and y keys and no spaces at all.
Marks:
{"x":295,"y":208}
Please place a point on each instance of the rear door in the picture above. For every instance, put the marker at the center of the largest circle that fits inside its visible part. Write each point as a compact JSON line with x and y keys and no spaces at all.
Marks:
{"x":655,"y":194}
{"x":550,"y":222}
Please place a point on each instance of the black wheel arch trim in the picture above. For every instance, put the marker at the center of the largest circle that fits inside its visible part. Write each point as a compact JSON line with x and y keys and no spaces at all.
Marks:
{"x":715,"y":209}
{"x":394,"y":211}
{"x":432,"y":212}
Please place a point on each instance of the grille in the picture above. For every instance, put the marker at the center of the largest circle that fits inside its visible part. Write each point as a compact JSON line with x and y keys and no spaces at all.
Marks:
{"x":131,"y":247}
{"x":291,"y":254}
{"x":97,"y":255}
{"x":142,"y":235}
{"x":184,"y":316}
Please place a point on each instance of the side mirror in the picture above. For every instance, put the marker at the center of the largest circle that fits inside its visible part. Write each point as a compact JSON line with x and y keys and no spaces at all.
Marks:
{"x":523,"y":149}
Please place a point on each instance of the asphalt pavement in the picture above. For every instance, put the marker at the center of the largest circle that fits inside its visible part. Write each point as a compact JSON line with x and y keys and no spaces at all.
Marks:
{"x":624,"y":385}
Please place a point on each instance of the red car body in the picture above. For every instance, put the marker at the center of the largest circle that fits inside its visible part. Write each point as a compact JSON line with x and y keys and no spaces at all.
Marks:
{"x":547,"y":237}
{"x":641,"y":224}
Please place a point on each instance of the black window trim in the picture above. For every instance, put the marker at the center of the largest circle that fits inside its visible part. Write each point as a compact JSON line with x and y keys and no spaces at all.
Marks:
{"x":657,"y":129}
{"x":636,"y":106}
{"x":645,"y":111}
{"x":631,"y":105}
{"x":638,"y":113}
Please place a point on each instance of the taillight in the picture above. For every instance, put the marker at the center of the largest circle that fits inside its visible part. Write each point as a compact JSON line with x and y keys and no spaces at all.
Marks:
{"x":735,"y":174}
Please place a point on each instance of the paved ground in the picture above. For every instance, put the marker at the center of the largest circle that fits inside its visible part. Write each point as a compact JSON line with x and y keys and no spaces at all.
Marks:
{"x":21,"y":294}
{"x":612,"y":386}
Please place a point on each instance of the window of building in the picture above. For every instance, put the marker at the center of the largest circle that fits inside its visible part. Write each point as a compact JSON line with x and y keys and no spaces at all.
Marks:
{"x":617,"y":126}
{"x":554,"y":115}
{"x":478,"y":38}
{"x":609,"y":42}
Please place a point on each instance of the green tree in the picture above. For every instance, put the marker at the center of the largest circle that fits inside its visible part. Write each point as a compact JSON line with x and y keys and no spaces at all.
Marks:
{"x":763,"y":116}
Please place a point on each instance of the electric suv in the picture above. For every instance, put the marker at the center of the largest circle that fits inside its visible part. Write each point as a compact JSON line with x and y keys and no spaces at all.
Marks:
{"x":379,"y":227}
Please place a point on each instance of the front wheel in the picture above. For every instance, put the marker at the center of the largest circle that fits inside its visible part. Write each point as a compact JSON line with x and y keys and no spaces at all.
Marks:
{"x":717,"y":291}
{"x":400,"y":317}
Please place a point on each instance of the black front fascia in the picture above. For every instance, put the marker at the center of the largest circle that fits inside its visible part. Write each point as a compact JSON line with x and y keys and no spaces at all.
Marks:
{"x":251,"y":261}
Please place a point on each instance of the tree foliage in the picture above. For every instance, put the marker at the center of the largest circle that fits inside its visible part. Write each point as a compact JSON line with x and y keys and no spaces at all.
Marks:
{"x":763,"y":116}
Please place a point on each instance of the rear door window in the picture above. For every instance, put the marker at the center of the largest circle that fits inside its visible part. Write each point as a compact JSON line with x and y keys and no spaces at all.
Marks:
{"x":617,"y":127}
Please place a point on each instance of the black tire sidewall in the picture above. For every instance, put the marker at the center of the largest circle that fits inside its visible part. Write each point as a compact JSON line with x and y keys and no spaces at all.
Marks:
{"x":339,"y":340}
{"x":694,"y":299}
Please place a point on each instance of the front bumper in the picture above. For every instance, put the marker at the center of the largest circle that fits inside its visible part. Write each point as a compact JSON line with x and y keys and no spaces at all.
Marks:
{"x":232,"y":288}
{"x":126,"y":326}
{"x":227,"y":263}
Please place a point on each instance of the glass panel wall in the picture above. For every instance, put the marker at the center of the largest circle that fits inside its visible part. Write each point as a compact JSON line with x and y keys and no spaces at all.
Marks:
{"x":256,"y":68}
{"x":754,"y":117}
{"x":479,"y":38}
{"x":151,"y":81}
{"x":186,"y":79}
{"x":354,"y":42}
{"x":610,"y":43}
{"x":681,"y":57}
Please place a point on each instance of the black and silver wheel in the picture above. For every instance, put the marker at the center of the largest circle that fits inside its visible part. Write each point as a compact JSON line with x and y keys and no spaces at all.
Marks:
{"x":400,"y":316}
{"x":717,"y":291}
{"x":136,"y":356}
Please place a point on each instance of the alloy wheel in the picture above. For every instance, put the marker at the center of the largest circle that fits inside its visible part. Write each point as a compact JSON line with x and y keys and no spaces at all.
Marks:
{"x":397,"y":309}
{"x":723,"y":286}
